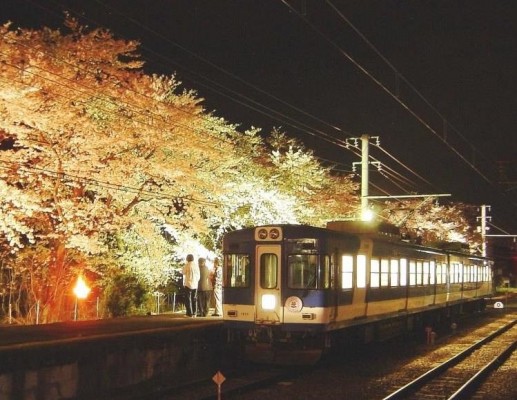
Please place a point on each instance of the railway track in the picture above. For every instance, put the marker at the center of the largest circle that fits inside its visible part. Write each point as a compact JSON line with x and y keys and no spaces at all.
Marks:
{"x":460,"y":376}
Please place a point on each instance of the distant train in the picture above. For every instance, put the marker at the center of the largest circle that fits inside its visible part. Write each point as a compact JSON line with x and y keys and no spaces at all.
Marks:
{"x":295,"y":289}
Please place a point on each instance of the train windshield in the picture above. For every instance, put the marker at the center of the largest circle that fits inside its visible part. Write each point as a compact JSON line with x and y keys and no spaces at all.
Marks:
{"x":303,"y":271}
{"x":236,"y":270}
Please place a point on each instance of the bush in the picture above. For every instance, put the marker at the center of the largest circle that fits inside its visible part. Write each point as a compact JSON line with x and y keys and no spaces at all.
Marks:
{"x":125,"y":296}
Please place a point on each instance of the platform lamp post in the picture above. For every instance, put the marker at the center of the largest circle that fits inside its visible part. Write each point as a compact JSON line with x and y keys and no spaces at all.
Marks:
{"x":81,"y":291}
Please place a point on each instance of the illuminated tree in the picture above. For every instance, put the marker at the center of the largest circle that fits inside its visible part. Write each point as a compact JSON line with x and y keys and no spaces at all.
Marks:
{"x":430,"y":222}
{"x":111,"y":170}
{"x":91,"y":146}
{"x":116,"y":174}
{"x":320,"y":195}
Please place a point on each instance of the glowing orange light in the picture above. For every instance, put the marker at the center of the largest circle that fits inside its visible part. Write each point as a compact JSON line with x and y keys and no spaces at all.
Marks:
{"x":81,"y":290}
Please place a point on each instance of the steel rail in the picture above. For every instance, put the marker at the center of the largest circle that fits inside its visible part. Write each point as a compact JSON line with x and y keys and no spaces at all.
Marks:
{"x":483,"y":374}
{"x":429,"y":375}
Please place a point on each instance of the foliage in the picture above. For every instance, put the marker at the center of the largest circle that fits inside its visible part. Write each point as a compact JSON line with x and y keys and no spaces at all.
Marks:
{"x":432,"y":222}
{"x":110,"y":172}
{"x":125,"y":295}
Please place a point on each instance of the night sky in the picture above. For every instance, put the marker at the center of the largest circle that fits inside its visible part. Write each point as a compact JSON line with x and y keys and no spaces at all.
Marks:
{"x":325,"y":71}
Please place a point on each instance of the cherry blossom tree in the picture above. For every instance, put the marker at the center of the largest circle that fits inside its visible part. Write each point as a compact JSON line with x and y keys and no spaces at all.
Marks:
{"x":106,"y":170}
{"x":430,"y":222}
{"x":91,"y":145}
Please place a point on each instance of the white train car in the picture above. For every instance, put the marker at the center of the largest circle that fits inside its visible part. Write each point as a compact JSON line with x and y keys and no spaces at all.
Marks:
{"x":296,"y":289}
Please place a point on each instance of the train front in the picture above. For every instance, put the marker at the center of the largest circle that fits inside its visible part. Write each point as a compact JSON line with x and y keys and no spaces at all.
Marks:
{"x":276,"y":292}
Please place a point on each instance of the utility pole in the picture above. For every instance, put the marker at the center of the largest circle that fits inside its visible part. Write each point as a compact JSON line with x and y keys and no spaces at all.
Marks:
{"x":484,"y":229}
{"x":365,"y":139}
{"x":364,"y":176}
{"x":483,"y":219}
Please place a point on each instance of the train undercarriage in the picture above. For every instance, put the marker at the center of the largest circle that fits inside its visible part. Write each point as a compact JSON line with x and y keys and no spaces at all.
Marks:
{"x":265,"y":344}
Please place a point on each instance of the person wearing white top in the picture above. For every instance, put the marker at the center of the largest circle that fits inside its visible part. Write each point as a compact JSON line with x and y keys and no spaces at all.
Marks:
{"x":190,"y":282}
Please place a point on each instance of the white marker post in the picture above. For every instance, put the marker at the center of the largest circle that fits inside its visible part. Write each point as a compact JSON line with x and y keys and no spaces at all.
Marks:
{"x":218,"y":378}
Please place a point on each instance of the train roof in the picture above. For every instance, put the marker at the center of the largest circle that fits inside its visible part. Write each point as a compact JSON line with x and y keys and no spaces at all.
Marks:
{"x":381,"y":229}
{"x":390,"y":233}
{"x":377,"y":231}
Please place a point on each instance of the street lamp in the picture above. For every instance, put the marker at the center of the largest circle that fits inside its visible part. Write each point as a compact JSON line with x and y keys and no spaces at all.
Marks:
{"x":81,"y":291}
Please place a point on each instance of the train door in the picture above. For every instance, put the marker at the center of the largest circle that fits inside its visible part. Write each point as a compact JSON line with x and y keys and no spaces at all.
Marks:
{"x":268,"y":293}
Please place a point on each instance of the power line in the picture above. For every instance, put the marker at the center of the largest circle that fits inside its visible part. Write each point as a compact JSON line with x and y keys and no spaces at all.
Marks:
{"x":101,"y":184}
{"x":319,"y":133}
{"x":387,"y":91}
{"x":332,"y":140}
{"x":304,"y":128}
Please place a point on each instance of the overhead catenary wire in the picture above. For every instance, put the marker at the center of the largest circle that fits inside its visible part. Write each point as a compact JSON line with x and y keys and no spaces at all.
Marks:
{"x":302,"y":128}
{"x":204,"y":60}
{"x":396,"y":98}
{"x":326,"y":137}
{"x":101,"y":184}
{"x":400,"y":76}
{"x":287,"y":119}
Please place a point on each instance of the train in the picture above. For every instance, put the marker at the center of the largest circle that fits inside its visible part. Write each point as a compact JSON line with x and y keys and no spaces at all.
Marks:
{"x":292,"y":292}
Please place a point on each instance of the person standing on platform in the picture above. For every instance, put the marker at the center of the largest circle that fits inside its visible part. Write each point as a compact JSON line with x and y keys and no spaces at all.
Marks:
{"x":204,"y":291}
{"x":190,"y":285}
{"x":217,"y":282}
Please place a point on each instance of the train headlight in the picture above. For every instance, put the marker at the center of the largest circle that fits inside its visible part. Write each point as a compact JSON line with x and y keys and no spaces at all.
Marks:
{"x":262,"y":234}
{"x":274,"y":233}
{"x":268,"y":302}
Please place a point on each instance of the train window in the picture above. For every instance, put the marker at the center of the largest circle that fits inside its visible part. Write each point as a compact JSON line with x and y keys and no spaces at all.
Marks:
{"x":403,"y":272}
{"x":432,"y":272}
{"x":394,"y":272}
{"x":302,"y":271}
{"x":445,"y":273}
{"x":302,"y":246}
{"x":375,"y":273}
{"x":455,"y":275}
{"x":361,"y":271}
{"x":347,"y":272}
{"x":439,"y":274}
{"x":385,"y":272}
{"x":268,"y":271}
{"x":412,"y":273}
{"x":419,"y":273}
{"x":425,"y":280}
{"x":236,"y":270}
